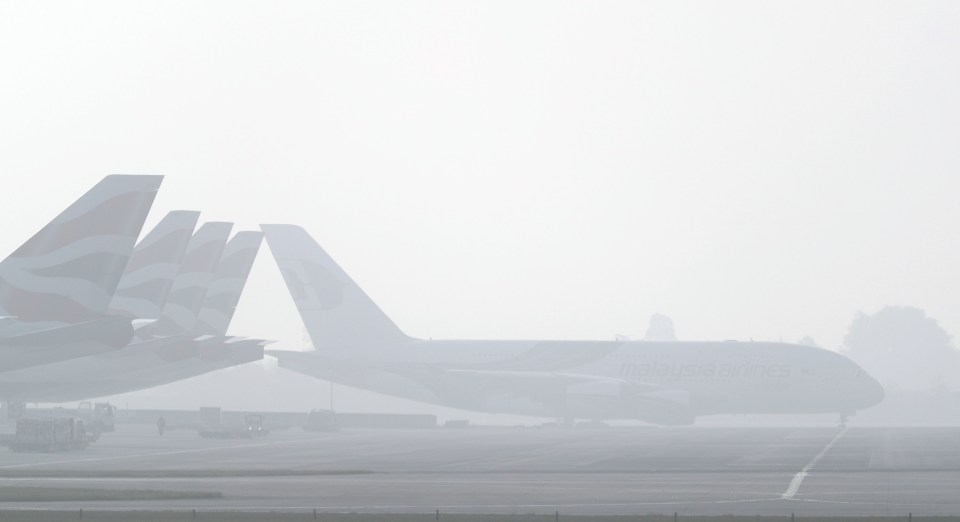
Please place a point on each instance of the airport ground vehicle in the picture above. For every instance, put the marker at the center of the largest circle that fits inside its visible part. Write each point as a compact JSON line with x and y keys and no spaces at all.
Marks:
{"x":253,"y":426}
{"x":98,"y":417}
{"x":322,"y":420}
{"x":50,"y":434}
{"x":212,"y":426}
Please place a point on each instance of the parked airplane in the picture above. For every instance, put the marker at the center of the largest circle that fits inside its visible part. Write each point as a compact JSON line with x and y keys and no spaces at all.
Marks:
{"x":182,"y":308}
{"x":221,"y":298}
{"x":160,"y":259}
{"x":55,"y":288}
{"x":659,"y":382}
{"x":206,"y":347}
{"x":140,"y":296}
{"x":153,"y":267}
{"x":215,"y":349}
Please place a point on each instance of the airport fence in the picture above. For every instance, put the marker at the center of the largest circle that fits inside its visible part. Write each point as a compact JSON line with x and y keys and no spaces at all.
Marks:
{"x":211,"y":515}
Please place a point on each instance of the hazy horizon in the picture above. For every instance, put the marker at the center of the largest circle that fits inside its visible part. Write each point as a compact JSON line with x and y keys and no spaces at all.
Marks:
{"x":752,"y":170}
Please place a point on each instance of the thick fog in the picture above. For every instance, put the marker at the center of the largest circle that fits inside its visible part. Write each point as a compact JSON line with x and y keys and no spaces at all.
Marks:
{"x":741,"y":170}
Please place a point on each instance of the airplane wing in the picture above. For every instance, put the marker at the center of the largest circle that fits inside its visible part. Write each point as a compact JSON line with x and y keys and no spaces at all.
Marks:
{"x":63,"y":342}
{"x":110,"y":330}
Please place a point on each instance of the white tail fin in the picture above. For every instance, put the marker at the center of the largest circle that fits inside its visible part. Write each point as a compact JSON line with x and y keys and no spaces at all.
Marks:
{"x":228,"y":281}
{"x":194,"y":278}
{"x":336,"y":312}
{"x":149,"y":275}
{"x":69,"y":270}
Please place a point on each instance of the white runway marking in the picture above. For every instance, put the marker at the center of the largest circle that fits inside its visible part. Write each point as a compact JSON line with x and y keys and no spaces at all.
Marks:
{"x":421,"y":508}
{"x":794,"y":486}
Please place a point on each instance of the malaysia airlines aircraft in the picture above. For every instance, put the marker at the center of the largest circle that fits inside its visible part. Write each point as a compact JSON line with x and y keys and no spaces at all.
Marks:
{"x":668,"y":383}
{"x":55,"y":288}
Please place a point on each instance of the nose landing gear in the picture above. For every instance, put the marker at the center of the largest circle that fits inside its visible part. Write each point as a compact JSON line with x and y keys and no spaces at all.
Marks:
{"x":842,"y":423}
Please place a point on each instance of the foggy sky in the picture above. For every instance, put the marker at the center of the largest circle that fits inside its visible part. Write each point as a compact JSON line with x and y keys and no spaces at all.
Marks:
{"x":521,"y":170}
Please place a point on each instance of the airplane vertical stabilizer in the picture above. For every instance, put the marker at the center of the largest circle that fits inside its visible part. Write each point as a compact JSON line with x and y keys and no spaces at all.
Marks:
{"x":149,"y":275}
{"x":196,"y":272}
{"x":336,"y":312}
{"x":228,"y":281}
{"x":69,"y":270}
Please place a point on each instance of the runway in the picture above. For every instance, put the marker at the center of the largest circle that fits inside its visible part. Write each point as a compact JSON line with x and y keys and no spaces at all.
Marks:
{"x":692,"y":471}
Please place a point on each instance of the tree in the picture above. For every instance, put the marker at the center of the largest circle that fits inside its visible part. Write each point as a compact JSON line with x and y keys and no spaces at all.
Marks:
{"x":903,"y":348}
{"x":660,"y":329}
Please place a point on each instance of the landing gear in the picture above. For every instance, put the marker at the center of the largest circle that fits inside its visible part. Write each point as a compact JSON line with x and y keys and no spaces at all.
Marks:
{"x":15,"y":409}
{"x":843,"y":421}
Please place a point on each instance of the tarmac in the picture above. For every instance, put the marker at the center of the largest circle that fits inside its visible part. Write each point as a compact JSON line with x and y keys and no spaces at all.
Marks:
{"x":601,"y":471}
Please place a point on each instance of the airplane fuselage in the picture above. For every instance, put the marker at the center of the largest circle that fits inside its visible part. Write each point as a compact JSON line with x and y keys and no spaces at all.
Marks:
{"x":665,"y":382}
{"x":661,"y":382}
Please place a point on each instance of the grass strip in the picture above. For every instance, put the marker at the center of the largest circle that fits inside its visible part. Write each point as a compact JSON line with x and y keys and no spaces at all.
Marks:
{"x":172,"y":473}
{"x":46,"y":494}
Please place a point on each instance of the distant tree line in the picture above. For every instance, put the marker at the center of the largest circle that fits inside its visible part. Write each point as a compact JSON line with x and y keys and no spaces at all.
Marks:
{"x":904,"y":349}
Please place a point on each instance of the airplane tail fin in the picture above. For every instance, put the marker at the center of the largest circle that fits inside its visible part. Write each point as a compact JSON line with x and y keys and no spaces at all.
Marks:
{"x":228,"y":282}
{"x":194,"y":278}
{"x":69,"y":270}
{"x":336,"y":312}
{"x":149,"y":275}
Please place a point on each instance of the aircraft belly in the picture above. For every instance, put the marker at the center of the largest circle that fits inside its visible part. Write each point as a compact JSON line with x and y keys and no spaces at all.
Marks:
{"x":105,"y":385}
{"x":671,"y":391}
{"x":14,"y":357}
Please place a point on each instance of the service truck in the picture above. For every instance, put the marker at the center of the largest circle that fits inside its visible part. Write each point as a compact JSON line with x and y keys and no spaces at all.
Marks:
{"x":98,"y":417}
{"x":50,"y":434}
{"x":322,"y":420}
{"x":212,"y":426}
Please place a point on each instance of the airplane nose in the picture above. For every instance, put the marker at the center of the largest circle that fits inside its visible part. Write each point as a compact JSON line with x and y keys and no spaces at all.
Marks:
{"x":873,"y":393}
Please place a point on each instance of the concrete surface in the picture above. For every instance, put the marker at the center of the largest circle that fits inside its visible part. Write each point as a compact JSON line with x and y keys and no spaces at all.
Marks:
{"x":692,"y":471}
